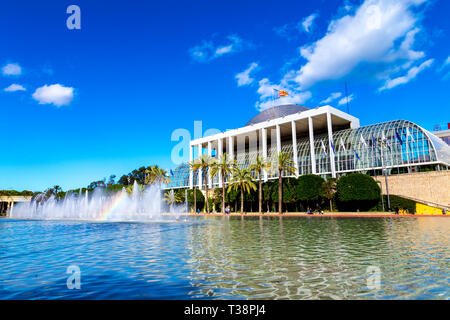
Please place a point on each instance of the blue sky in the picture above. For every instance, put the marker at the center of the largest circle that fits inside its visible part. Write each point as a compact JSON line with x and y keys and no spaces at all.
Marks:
{"x":79,"y":105}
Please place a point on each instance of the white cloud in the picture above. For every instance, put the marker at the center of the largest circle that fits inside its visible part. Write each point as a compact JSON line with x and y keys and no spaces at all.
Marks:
{"x":14,"y":87}
{"x":412,"y":73}
{"x":12,"y":69}
{"x":445,"y":64}
{"x":54,"y":94}
{"x":376,"y":35}
{"x":379,"y":32}
{"x":243,"y":77}
{"x":344,"y":100}
{"x":308,"y":21}
{"x":447,"y":61}
{"x":208,"y":50}
{"x":332,"y":97}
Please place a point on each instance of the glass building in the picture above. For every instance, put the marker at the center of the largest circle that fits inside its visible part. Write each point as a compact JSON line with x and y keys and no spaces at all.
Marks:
{"x":323,"y":141}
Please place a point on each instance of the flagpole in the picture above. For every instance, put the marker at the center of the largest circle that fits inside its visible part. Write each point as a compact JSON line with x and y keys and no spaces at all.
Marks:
{"x":346,"y":94}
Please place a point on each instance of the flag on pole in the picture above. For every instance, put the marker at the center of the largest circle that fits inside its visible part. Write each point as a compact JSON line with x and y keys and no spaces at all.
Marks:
{"x":374,"y":142}
{"x":383,"y":137}
{"x":342,"y":145}
{"x":398,"y":137}
{"x":363,"y":141}
{"x":171,"y":172}
{"x":323,"y":147}
{"x":282,"y":93}
{"x":332,"y":146}
{"x":408,"y":134}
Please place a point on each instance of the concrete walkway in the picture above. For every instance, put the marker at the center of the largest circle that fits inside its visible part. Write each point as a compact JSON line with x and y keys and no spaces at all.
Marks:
{"x":316,"y":215}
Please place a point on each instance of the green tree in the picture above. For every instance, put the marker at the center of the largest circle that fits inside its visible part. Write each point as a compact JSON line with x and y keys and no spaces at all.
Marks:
{"x":204,"y":163}
{"x":260,"y":165}
{"x":223,"y":165}
{"x":309,"y":188}
{"x":193,"y":167}
{"x":329,"y":190}
{"x":196,"y":199}
{"x":124,"y":180}
{"x":284,"y":165}
{"x":357,"y":191}
{"x":241,"y":179}
{"x":269,"y":188}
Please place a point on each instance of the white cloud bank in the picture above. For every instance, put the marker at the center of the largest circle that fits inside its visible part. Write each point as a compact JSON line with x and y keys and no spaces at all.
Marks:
{"x":54,"y":94}
{"x":12,"y":69}
{"x":371,"y":35}
{"x":208,"y":50}
{"x":243,"y":78}
{"x":14,"y":87}
{"x":379,"y":34}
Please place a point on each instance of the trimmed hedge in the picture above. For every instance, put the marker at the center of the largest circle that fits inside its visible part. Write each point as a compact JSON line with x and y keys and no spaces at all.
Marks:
{"x":357,"y":191}
{"x":309,"y":188}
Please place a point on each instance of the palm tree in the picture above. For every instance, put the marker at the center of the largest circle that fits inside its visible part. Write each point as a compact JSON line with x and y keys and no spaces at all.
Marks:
{"x":150,"y":174}
{"x":224,"y":165}
{"x":329,"y":190}
{"x":56,"y":190}
{"x":204,"y":163}
{"x":193,"y":167}
{"x":169,"y":198}
{"x":260,"y":165}
{"x":243,"y":179}
{"x":286,"y":165}
{"x":156,"y":175}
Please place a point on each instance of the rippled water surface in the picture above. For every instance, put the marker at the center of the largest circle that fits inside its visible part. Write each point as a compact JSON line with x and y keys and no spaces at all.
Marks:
{"x":227,"y":258}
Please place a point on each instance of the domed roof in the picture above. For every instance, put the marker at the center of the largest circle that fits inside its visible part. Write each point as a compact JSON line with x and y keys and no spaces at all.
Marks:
{"x":276,"y":112}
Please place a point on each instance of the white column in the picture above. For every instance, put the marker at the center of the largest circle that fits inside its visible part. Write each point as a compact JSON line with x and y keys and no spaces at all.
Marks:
{"x":294,"y":146}
{"x":200,"y":153}
{"x":191,"y":173}
{"x":219,"y":155}
{"x":231,"y":147}
{"x":278,"y":139}
{"x":264,"y":148}
{"x":330,"y":136}
{"x":209,"y":174}
{"x":311,"y":145}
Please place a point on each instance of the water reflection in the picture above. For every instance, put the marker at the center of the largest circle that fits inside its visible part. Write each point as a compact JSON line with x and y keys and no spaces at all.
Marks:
{"x":288,"y":258}
{"x":227,"y":258}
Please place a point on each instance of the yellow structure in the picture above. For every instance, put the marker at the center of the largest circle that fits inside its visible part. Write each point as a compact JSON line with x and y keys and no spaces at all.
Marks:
{"x":424,"y":209}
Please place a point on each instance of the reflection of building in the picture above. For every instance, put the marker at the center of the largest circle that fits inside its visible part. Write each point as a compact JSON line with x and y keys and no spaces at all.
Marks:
{"x":444,"y":134}
{"x":323,"y":141}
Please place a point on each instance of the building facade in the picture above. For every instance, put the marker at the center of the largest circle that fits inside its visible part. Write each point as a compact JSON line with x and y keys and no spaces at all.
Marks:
{"x":323,"y":141}
{"x":444,"y":134}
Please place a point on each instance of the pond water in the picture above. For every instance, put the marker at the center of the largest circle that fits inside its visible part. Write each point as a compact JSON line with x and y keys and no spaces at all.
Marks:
{"x":228,"y":258}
